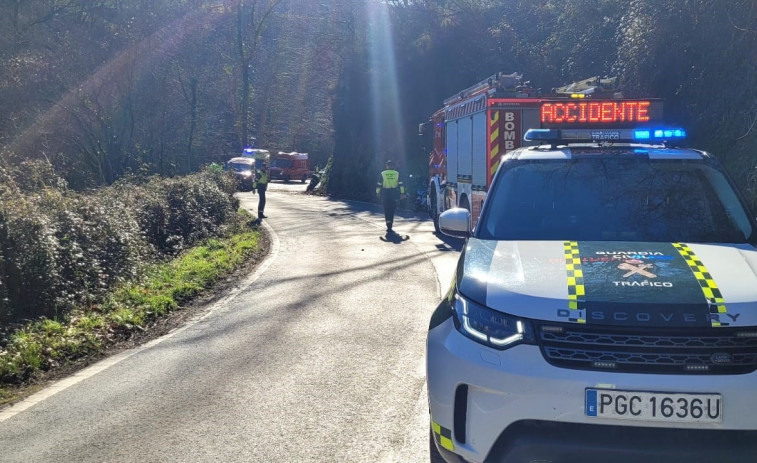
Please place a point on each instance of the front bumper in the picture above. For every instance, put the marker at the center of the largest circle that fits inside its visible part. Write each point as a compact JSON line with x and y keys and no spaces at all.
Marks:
{"x":244,"y":182}
{"x":512,"y":406}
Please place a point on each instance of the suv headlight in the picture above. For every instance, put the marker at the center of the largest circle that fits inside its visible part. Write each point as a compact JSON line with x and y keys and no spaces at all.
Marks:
{"x":490,"y":327}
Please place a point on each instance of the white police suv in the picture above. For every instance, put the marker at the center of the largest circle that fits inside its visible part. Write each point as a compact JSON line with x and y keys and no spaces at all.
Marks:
{"x":604,"y":309}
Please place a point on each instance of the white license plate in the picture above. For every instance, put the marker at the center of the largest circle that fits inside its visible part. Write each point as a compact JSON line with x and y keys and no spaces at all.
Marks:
{"x":654,"y":406}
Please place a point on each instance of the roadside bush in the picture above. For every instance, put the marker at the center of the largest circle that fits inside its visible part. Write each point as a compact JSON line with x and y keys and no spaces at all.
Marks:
{"x":61,"y":249}
{"x":29,"y":257}
{"x":34,"y":175}
{"x":98,"y":244}
{"x":4,"y":305}
{"x":323,"y":185}
{"x":5,"y":193}
{"x":179,"y":212}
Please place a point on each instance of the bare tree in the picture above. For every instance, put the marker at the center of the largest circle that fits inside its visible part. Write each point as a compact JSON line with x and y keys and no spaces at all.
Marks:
{"x":252,"y":17}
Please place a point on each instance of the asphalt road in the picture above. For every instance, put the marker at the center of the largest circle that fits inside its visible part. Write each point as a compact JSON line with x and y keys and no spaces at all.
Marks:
{"x":318,"y":356}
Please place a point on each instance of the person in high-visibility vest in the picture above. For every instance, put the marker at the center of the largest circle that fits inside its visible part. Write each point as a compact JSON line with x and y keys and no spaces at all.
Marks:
{"x":261,"y":184}
{"x":390,"y":189}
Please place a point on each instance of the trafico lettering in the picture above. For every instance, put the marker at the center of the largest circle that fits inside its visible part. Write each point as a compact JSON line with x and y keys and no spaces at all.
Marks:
{"x":644,"y":284}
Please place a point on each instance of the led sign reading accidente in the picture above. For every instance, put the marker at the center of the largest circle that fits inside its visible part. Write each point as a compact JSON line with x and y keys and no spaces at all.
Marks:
{"x":595,"y":112}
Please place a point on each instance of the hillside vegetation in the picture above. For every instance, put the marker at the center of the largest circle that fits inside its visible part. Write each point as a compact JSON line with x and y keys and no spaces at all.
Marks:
{"x":109,"y":88}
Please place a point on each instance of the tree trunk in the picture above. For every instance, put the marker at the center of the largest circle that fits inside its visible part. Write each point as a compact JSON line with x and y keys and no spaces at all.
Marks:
{"x":192,"y":121}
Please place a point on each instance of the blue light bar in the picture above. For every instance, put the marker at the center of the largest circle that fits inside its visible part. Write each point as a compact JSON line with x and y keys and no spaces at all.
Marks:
{"x":610,"y":135}
{"x":542,"y":135}
{"x":660,"y":134}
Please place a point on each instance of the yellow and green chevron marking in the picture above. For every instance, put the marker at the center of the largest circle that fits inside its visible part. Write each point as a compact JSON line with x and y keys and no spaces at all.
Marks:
{"x":494,"y":143}
{"x":709,"y":287}
{"x":443,"y":436}
{"x":576,"y":290}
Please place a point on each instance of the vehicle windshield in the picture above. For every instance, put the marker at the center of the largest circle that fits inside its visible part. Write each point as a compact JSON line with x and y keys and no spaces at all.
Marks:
{"x":283,"y":163}
{"x":240,"y":166}
{"x":619,"y":198}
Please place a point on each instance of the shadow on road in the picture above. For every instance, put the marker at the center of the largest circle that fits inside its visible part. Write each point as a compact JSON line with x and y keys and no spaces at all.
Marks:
{"x":449,"y":243}
{"x":394,"y":237}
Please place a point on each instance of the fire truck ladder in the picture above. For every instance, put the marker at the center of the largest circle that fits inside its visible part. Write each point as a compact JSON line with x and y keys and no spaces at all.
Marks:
{"x":508,"y":83}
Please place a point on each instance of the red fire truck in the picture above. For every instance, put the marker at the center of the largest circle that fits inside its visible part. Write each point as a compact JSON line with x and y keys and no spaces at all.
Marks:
{"x":480,"y":124}
{"x":290,"y":166}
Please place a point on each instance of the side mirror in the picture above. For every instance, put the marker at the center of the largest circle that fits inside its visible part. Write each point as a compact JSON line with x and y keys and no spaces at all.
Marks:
{"x":455,"y":222}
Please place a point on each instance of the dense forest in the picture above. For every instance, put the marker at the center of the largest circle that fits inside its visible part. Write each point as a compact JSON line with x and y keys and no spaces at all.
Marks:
{"x":96,"y":90}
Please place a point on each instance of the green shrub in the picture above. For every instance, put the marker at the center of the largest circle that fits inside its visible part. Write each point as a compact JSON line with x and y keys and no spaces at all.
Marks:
{"x":5,"y":308}
{"x":88,"y":323}
{"x":61,"y":249}
{"x":46,"y":343}
{"x":177,"y":213}
{"x":98,"y":245}
{"x":126,"y":317}
{"x":24,"y":355}
{"x":34,"y":175}
{"x":29,"y":252}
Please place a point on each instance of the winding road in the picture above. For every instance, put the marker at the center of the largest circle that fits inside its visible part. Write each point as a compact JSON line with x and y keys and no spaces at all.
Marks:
{"x":318,"y":356}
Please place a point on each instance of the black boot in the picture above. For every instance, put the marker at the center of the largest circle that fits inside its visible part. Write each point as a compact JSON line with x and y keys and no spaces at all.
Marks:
{"x":261,"y":215}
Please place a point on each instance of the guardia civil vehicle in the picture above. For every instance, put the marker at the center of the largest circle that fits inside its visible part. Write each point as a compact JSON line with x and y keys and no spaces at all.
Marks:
{"x":604,"y":308}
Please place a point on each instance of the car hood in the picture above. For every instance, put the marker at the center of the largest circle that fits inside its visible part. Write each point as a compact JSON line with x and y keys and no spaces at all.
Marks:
{"x":614,"y":283}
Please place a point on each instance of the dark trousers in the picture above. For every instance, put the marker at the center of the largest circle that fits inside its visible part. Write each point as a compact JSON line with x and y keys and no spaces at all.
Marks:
{"x":389,"y":197}
{"x":261,"y":197}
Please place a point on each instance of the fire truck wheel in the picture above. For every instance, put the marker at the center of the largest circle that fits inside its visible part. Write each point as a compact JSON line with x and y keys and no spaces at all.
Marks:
{"x":434,"y":211}
{"x":286,"y":179}
{"x":304,"y":179}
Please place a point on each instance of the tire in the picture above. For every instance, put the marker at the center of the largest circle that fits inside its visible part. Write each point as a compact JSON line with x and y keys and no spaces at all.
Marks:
{"x":304,"y":179}
{"x":433,"y":211}
{"x":286,"y":179}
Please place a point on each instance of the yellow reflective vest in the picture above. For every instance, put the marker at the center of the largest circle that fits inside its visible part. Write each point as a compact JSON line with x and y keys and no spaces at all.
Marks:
{"x":390,"y":179}
{"x":262,"y":178}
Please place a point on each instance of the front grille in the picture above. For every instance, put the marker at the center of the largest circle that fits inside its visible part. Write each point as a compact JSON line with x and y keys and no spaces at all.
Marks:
{"x":636,"y":350}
